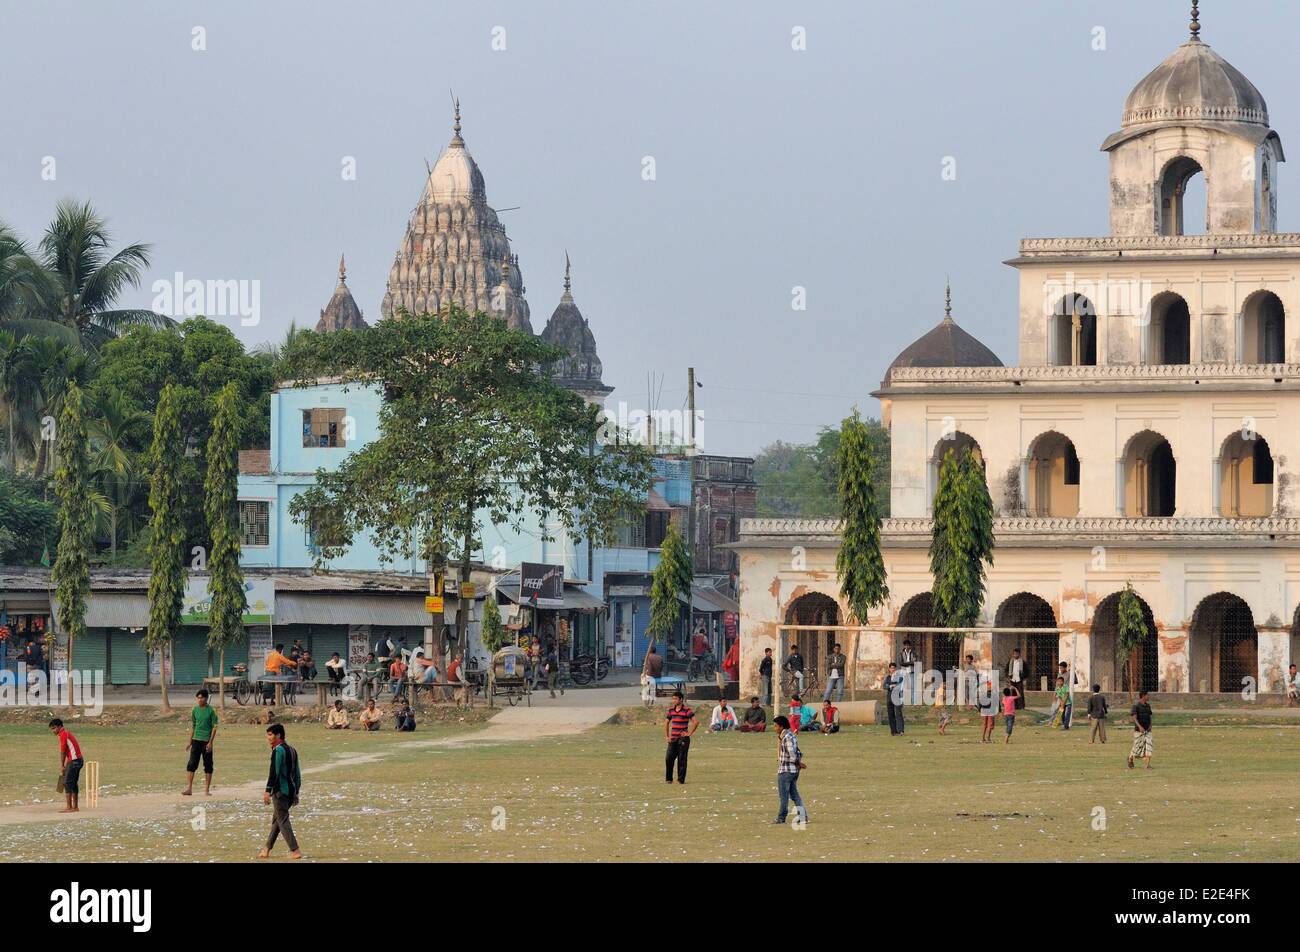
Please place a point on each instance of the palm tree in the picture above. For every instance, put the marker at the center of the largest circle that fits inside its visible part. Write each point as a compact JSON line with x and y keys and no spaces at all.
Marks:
{"x":74,"y":281}
{"x":19,"y":392}
{"x":55,"y":366}
{"x":114,"y":428}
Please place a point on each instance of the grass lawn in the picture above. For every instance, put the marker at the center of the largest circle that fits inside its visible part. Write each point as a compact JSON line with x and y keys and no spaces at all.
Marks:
{"x":1218,"y":793}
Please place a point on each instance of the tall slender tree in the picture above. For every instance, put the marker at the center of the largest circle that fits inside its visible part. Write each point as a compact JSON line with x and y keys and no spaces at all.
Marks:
{"x":961,"y":543}
{"x":1132,"y":632}
{"x":166,"y":531}
{"x":860,"y":567}
{"x":670,"y":584}
{"x":494,"y":636}
{"x":71,"y":574}
{"x":221,"y":506}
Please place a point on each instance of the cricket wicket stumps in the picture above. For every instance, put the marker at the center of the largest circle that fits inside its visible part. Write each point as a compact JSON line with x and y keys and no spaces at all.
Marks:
{"x":92,"y":783}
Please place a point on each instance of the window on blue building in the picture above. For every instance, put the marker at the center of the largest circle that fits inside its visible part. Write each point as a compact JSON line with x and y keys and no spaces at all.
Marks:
{"x":255,"y":522}
{"x":323,"y":427}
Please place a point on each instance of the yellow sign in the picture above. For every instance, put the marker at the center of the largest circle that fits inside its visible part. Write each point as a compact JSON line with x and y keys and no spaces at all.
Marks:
{"x":467,"y":590}
{"x":433,"y":604}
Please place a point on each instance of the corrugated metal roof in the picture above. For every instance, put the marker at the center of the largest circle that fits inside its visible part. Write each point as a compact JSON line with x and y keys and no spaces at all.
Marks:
{"x":305,"y":608}
{"x":706,"y":599}
{"x":114,"y":610}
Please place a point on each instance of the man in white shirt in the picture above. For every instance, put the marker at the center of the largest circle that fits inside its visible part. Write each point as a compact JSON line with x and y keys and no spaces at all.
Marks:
{"x":836,"y":665}
{"x":724,"y":717}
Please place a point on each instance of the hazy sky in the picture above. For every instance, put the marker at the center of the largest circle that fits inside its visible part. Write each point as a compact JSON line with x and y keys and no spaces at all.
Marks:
{"x":775,"y":168}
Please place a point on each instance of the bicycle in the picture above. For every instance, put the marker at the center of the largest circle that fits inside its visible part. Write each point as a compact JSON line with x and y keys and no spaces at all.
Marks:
{"x":702,"y":668}
{"x":790,"y":684}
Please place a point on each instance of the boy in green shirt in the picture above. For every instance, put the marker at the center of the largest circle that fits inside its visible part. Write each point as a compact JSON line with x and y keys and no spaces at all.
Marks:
{"x":1062,"y":699}
{"x":203,"y":732}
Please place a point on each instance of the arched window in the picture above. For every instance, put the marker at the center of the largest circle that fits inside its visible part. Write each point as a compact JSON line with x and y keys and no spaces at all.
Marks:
{"x":1169,"y":330}
{"x":814,"y":609}
{"x":1073,"y":333}
{"x":956,"y":443}
{"x":1026,"y":610}
{"x":1223,"y":645}
{"x":1262,"y":330}
{"x":1246,"y":477}
{"x":1149,"y":473}
{"x":1051,"y":477}
{"x":1137,"y":672}
{"x":1179,"y":193}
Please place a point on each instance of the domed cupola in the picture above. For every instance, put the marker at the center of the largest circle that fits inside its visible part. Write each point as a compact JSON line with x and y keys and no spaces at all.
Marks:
{"x":455,"y":176}
{"x":567,"y":328}
{"x":1194,"y":113}
{"x":944,"y":345}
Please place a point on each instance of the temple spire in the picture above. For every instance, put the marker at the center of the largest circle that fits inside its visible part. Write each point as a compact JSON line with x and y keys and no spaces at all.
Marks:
{"x":455,"y":126}
{"x":1196,"y":20}
{"x":343,"y":271}
{"x":947,"y":302}
{"x":567,"y":296}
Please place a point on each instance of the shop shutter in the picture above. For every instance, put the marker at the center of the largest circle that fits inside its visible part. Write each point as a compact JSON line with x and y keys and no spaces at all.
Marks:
{"x":128,"y":662}
{"x":190,"y":656}
{"x":90,"y":652}
{"x":324,"y":641}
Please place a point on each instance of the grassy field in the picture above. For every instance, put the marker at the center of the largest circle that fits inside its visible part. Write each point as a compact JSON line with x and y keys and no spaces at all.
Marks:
{"x":1218,"y":793}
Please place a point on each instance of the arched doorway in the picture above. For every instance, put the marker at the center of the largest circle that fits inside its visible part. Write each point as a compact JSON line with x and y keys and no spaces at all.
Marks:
{"x":1052,"y":477}
{"x":1040,"y":652}
{"x":935,"y":650}
{"x":1246,"y":477}
{"x":1169,"y":332}
{"x":1175,"y":184}
{"x":1150,"y":476}
{"x":1072,"y":338}
{"x":1263,"y":330}
{"x":1223,"y":645}
{"x":814,"y":609}
{"x":1141,"y":669}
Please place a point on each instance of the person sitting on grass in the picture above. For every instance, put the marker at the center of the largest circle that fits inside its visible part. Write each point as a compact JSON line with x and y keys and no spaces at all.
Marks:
{"x":755,"y":721}
{"x":403,"y":717}
{"x":806,"y":714}
{"x":337,"y":719}
{"x":371,"y":716}
{"x":724,"y":717}
{"x":830,"y":718}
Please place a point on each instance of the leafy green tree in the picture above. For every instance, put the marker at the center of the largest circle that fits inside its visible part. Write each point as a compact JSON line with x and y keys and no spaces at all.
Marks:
{"x":19,"y":391}
{"x":494,"y":634}
{"x":166,"y":531}
{"x":27,"y":521}
{"x":221,"y":503}
{"x":1132,"y":632}
{"x":670,"y":584}
{"x":802,"y":481}
{"x":859,"y":564}
{"x":71,"y":574}
{"x":470,"y":429}
{"x":115,"y":429}
{"x":73,"y":280}
{"x":961,"y":543}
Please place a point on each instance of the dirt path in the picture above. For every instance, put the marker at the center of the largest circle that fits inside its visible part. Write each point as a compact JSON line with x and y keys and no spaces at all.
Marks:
{"x":511,"y":725}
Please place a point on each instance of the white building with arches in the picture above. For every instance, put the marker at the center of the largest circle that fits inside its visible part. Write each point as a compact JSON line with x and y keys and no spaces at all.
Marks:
{"x":1148,"y":434}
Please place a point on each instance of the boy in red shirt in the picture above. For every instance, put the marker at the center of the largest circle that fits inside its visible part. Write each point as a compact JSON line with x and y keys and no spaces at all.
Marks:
{"x":70,"y":764}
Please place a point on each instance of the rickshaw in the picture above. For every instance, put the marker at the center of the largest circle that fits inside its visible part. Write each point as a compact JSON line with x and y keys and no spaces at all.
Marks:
{"x":508,"y":676}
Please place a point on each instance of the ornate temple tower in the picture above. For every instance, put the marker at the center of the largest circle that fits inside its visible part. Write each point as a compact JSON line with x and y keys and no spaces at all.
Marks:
{"x":341,"y":313}
{"x":569,"y":329}
{"x":455,"y":249}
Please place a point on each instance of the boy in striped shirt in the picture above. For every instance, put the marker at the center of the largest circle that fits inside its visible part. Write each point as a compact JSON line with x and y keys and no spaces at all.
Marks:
{"x":70,"y":764}
{"x":679,"y":725}
{"x":789,"y":761}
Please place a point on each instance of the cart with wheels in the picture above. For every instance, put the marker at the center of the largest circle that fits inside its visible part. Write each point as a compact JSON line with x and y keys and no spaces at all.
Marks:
{"x":507,"y":677}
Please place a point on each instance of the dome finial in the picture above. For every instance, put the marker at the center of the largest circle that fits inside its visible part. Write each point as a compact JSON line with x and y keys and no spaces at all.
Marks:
{"x":343,"y":271}
{"x":566,"y":270}
{"x":455,"y":126}
{"x":947,"y":301}
{"x":1196,"y":20}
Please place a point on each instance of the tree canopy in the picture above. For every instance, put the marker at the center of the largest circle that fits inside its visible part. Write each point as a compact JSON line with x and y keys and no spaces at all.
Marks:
{"x":858,"y":563}
{"x":962,"y":541}
{"x":801,"y":481}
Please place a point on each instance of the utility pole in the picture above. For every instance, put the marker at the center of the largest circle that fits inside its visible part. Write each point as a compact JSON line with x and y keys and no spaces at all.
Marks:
{"x":690,"y":461}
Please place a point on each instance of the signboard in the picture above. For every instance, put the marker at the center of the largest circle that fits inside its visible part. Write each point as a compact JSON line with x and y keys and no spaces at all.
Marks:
{"x":433,"y":604}
{"x":259,"y":646}
{"x":541,"y":585}
{"x":623,"y":654}
{"x":358,"y":645}
{"x":197,"y":602}
{"x":467,"y":590}
{"x":626,"y":590}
